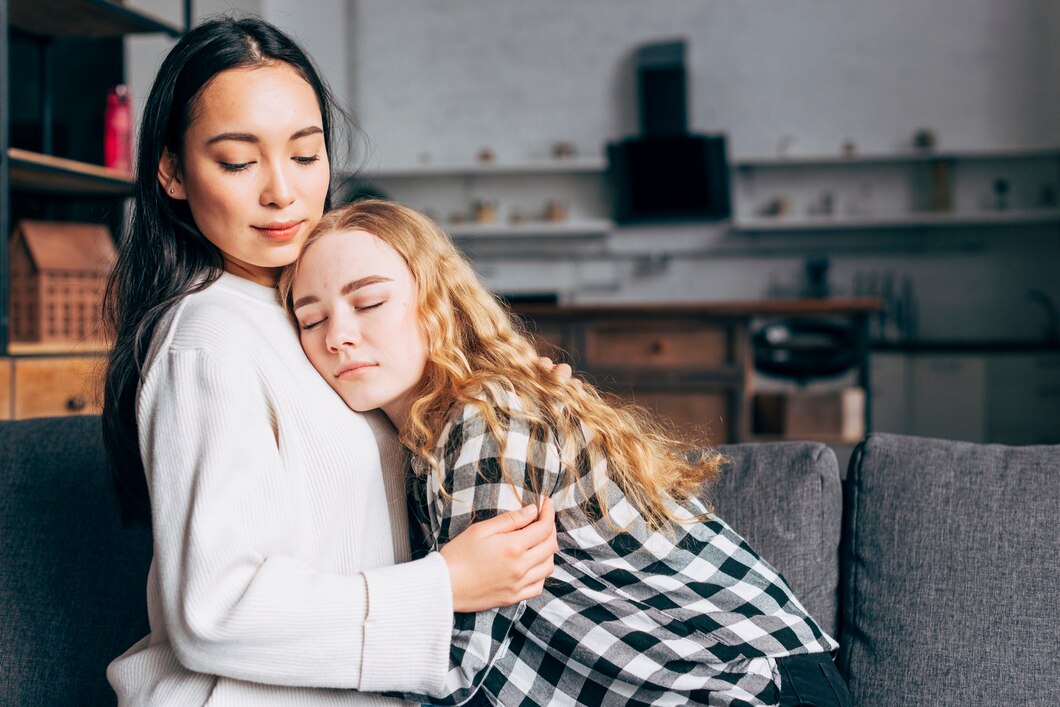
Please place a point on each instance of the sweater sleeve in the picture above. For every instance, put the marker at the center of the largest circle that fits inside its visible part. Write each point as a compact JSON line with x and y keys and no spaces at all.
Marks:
{"x":235,"y":601}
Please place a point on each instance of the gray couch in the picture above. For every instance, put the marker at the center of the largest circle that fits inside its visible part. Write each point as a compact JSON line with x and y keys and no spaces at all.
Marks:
{"x":935,"y":563}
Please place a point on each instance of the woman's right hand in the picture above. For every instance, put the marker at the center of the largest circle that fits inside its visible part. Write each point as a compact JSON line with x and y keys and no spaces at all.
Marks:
{"x":503,"y":560}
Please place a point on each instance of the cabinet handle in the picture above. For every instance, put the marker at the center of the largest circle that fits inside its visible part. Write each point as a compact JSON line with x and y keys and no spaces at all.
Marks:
{"x":659,"y":346}
{"x":76,"y":403}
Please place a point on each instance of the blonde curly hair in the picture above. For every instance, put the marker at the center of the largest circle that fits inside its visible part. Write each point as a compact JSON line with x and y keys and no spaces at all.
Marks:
{"x":477,"y":352}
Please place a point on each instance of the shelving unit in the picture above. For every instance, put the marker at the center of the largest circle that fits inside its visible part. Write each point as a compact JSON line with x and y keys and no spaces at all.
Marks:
{"x":38,"y":379}
{"x":911,"y":190}
{"x":445,"y":190}
{"x":582,"y":165}
{"x":532,"y":229}
{"x":913,"y":220}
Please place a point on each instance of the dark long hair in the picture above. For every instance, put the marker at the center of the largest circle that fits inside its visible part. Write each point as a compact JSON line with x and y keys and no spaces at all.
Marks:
{"x":162,"y":254}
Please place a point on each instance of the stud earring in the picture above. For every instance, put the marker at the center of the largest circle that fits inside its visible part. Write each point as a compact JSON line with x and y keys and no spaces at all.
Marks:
{"x":172,"y":191}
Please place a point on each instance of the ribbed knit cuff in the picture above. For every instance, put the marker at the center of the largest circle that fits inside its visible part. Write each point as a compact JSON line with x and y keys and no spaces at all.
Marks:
{"x":409,"y":627}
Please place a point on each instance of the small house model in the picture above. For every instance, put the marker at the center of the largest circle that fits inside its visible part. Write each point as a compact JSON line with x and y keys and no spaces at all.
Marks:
{"x":58,"y":274}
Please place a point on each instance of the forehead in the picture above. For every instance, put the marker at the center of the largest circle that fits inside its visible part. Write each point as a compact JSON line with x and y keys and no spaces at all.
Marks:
{"x":352,"y":253}
{"x":257,"y":99}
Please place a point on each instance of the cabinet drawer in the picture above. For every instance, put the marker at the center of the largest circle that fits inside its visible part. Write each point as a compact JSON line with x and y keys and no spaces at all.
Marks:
{"x":698,"y":417}
{"x":5,"y":389}
{"x":51,"y":387}
{"x":666,"y":344}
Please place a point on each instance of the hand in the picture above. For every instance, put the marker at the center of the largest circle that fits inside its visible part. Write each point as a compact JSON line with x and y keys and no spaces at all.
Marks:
{"x":503,"y":560}
{"x":561,"y":370}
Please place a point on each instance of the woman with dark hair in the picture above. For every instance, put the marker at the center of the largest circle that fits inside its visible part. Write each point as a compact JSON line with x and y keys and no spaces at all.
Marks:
{"x":278,"y":515}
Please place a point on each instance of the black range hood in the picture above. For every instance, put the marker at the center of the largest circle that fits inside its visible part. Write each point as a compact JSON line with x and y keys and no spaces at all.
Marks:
{"x":667,"y":173}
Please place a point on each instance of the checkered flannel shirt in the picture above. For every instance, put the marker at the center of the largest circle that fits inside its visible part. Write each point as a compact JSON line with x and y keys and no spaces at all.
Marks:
{"x":629,"y":616}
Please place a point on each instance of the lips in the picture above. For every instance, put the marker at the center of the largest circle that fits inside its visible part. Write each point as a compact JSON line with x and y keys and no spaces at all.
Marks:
{"x":353,"y":369}
{"x":279,"y":231}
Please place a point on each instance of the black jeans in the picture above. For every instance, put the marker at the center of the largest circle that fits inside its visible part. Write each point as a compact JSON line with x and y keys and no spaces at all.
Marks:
{"x":811,"y":681}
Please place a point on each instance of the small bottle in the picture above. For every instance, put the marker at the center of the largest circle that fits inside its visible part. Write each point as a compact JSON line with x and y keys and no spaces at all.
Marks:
{"x":117,"y":129}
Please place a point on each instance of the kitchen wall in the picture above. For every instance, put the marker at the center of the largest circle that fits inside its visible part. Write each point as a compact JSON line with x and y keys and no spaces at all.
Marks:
{"x":435,"y":82}
{"x":438,"y":81}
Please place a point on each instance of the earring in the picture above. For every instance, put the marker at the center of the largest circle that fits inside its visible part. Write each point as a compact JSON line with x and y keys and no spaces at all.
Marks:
{"x":172,"y":191}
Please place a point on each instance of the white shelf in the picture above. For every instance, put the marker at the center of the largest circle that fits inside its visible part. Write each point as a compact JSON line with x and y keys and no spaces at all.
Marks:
{"x":894,"y":158}
{"x":559,"y":166}
{"x":530,"y":229}
{"x":950,"y":220}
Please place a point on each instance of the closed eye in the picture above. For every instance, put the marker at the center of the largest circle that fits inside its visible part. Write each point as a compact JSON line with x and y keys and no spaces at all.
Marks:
{"x":235,"y":166}
{"x":370,"y":306}
{"x":309,"y":326}
{"x":307,"y":159}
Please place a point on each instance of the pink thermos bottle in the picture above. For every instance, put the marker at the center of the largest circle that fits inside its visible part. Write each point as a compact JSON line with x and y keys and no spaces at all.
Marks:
{"x":117,"y":129}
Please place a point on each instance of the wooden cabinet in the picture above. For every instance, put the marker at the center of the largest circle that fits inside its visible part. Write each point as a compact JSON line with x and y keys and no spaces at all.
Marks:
{"x":55,"y":387}
{"x":5,"y":389}
{"x":689,"y":363}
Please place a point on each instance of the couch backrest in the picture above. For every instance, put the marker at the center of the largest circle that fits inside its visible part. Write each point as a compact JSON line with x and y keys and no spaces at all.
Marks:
{"x":72,"y":579}
{"x":951,"y":562}
{"x":785,"y":499}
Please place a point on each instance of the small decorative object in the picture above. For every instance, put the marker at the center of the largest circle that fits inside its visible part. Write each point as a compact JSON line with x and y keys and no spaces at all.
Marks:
{"x":924,"y":140}
{"x":941,"y":192}
{"x":58,"y":274}
{"x":556,"y":210}
{"x":564,"y":150}
{"x":485,"y":156}
{"x":457,"y":218}
{"x":1001,"y":191}
{"x":483,"y":211}
{"x":776,"y":207}
{"x":849,"y":148}
{"x":824,"y":206}
{"x":117,"y":129}
{"x":784,"y":145}
{"x":1047,"y":196}
{"x":516,"y":216}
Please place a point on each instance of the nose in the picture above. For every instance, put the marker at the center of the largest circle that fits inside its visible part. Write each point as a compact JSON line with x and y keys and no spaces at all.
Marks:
{"x":278,"y":190}
{"x":342,"y":332}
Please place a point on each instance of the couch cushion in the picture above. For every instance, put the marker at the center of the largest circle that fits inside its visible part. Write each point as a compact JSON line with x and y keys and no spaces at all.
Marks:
{"x":785,"y":499}
{"x":72,"y":580}
{"x":951,"y":558}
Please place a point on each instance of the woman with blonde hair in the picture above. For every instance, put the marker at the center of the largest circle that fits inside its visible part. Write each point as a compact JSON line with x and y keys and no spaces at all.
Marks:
{"x":653,"y":599}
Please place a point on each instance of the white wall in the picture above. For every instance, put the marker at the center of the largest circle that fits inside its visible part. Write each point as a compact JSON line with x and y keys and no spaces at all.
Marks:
{"x":447,"y":78}
{"x":451,"y":76}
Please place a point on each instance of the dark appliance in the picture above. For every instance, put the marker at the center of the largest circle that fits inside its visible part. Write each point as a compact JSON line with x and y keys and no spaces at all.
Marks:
{"x":667,"y":173}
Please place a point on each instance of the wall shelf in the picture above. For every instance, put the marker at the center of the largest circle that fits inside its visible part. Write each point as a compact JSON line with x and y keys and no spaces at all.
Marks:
{"x":894,"y":158}
{"x":906,"y":221}
{"x":83,"y":18}
{"x":558,"y":166}
{"x":46,"y":174}
{"x":530,"y":229}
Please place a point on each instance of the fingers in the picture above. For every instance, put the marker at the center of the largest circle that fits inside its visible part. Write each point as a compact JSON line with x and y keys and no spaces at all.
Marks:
{"x":563,"y":371}
{"x":542,"y":530}
{"x":505,"y":522}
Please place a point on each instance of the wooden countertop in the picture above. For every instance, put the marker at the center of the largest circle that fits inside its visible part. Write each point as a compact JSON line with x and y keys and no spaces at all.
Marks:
{"x":746,"y":308}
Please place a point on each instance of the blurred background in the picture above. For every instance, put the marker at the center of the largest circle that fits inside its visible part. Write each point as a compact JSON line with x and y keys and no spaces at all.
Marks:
{"x":902,"y":153}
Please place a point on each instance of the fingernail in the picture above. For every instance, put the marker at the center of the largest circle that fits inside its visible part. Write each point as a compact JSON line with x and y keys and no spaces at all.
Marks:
{"x":529,"y":511}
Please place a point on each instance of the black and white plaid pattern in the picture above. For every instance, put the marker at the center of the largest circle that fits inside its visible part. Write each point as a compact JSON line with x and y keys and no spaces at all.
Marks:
{"x":629,"y":616}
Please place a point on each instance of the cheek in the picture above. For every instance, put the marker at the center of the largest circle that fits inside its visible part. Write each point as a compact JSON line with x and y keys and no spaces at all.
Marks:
{"x":314,"y":350}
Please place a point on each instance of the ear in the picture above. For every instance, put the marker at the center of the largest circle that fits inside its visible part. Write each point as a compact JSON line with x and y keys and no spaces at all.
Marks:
{"x":169,"y":176}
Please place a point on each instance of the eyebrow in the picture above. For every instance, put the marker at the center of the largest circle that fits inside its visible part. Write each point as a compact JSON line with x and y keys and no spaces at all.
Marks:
{"x":346,"y":289}
{"x":252,"y":138}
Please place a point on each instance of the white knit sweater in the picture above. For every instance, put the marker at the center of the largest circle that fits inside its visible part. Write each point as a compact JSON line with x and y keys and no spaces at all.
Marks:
{"x":279,"y":516}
